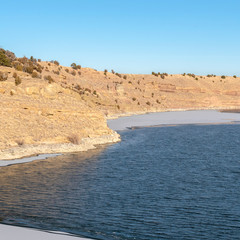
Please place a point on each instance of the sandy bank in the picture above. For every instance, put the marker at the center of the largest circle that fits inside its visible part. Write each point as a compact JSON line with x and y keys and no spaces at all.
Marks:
{"x":173,"y":118}
{"x":28,"y":150}
{"x":12,"y":232}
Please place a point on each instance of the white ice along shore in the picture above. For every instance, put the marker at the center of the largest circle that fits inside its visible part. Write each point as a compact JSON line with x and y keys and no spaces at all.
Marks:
{"x":4,"y":163}
{"x":174,"y":118}
{"x":8,"y":232}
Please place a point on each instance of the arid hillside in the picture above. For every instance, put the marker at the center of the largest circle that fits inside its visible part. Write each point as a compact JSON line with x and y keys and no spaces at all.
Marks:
{"x":45,"y":103}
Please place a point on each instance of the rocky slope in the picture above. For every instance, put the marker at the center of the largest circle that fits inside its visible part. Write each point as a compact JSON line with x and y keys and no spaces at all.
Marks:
{"x":46,"y":103}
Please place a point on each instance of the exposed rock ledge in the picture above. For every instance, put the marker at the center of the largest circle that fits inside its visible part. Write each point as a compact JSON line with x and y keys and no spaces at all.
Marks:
{"x":86,"y":144}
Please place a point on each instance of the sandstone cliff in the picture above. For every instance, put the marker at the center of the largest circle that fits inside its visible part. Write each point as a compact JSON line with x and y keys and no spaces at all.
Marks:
{"x":59,"y":104}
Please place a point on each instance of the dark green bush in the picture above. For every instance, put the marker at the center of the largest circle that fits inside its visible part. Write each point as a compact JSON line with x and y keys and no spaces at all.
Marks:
{"x":4,"y":60}
{"x":223,"y":77}
{"x":74,"y":65}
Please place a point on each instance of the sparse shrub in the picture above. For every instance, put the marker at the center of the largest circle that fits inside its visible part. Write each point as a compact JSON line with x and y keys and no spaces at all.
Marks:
{"x":148,"y":103}
{"x":56,"y":62}
{"x":191,"y":75}
{"x":223,"y":77}
{"x":49,"y":79}
{"x":32,"y":59}
{"x":10,"y":55}
{"x":234,"y":76}
{"x":119,"y":75}
{"x":19,"y":67}
{"x":130,"y":82}
{"x":20,"y":142}
{"x":3,"y":76}
{"x":125,"y":77}
{"x":67,"y":70}
{"x":88,"y":90}
{"x":155,"y":74}
{"x":14,"y":74}
{"x":73,"y":73}
{"x":56,"y":72}
{"x":157,"y":101}
{"x":39,"y":60}
{"x":79,"y":73}
{"x":196,"y":78}
{"x":95,"y":92}
{"x":113,"y":72}
{"x":34,"y":75}
{"x":28,"y":69}
{"x":74,"y":139}
{"x":118,"y":107}
{"x":134,"y":99}
{"x":18,"y":81}
{"x":152,"y":94}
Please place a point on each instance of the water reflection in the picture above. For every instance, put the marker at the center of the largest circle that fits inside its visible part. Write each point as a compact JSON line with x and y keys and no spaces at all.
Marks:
{"x":29,"y":188}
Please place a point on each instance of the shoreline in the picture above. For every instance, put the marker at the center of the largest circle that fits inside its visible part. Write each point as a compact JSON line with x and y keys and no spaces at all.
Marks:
{"x":33,"y":151}
{"x":38,"y":152}
{"x":28,"y":153}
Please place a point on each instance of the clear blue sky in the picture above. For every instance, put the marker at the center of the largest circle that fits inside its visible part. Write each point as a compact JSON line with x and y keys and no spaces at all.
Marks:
{"x":129,"y":36}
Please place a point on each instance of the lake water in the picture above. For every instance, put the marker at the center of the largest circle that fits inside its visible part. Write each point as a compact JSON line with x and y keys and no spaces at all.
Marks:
{"x":179,"y":182}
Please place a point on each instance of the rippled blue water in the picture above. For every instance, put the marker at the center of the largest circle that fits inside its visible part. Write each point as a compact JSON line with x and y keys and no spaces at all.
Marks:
{"x":178,"y":182}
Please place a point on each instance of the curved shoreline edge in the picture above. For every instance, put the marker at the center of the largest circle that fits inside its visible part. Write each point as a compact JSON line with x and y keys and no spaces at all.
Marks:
{"x":122,"y":123}
{"x":28,"y":153}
